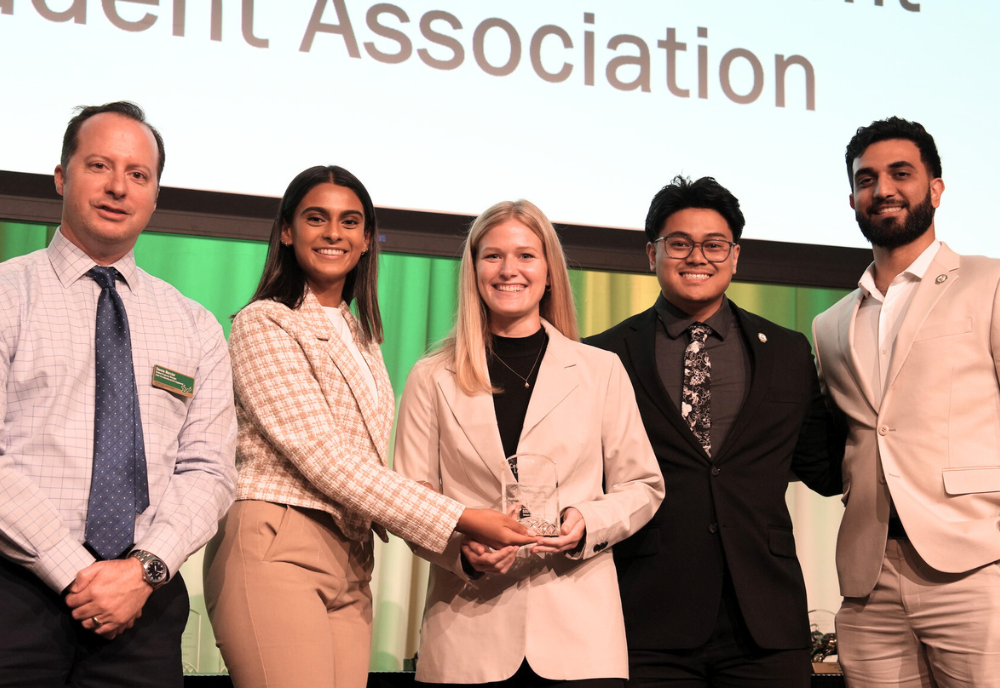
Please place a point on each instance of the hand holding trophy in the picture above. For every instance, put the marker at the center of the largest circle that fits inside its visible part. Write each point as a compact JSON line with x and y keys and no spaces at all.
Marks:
{"x":571,"y":534}
{"x":529,"y":492}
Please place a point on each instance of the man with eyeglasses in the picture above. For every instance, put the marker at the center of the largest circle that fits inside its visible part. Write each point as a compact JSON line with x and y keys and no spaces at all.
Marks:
{"x":711,"y":588}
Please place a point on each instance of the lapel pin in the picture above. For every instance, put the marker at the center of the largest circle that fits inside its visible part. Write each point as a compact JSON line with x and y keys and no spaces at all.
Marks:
{"x":940,"y":279}
{"x":762,"y":337}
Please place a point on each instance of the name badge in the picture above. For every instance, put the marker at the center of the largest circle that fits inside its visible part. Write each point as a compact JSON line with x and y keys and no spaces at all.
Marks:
{"x":172,"y":381}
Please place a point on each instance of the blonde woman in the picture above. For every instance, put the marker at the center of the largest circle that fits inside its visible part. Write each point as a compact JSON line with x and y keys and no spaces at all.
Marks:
{"x":513,"y":378}
{"x":287,"y":578}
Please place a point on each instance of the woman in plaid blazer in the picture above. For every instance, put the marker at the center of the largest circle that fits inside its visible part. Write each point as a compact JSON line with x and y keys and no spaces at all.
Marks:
{"x":287,"y":577}
{"x":514,"y":379}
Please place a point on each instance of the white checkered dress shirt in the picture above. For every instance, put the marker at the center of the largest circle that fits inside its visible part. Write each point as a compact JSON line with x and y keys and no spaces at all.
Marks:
{"x":48,"y":308}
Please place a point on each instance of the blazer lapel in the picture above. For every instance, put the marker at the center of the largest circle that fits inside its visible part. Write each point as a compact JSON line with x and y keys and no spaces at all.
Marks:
{"x":378,"y":422}
{"x":940,"y":275}
{"x":477,"y":418}
{"x":851,"y":362}
{"x":342,"y":357}
{"x":557,"y":377}
{"x":640,"y":346}
{"x":761,"y":363}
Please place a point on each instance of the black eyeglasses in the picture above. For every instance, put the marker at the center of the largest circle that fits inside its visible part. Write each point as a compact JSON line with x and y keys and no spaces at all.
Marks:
{"x":680,"y":247}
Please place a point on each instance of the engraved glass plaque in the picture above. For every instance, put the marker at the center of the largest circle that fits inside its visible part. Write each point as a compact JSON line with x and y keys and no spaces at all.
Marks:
{"x":530,"y":492}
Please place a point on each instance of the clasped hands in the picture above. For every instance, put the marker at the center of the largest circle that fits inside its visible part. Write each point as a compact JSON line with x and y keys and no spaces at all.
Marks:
{"x":488,"y":557}
{"x":107,"y":596}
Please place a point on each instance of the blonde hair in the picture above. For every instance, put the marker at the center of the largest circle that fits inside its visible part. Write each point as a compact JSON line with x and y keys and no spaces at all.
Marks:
{"x":470,"y":342}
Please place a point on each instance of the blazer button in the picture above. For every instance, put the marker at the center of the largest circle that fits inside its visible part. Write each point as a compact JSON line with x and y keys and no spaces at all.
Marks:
{"x":713,"y":527}
{"x":883,"y":430}
{"x":716,"y":470}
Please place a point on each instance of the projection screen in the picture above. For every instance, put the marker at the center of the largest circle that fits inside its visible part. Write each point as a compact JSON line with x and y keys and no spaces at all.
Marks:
{"x":585,"y":108}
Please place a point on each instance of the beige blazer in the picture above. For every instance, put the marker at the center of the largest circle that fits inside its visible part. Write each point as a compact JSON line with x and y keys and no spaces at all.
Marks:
{"x":310,"y":433}
{"x":563,"y":613}
{"x":933,"y":443}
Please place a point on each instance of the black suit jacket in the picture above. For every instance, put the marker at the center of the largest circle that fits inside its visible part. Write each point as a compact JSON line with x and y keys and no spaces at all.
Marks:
{"x":728,"y":509}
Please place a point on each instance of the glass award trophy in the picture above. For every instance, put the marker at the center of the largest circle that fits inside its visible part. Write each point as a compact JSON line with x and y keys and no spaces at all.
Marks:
{"x":530,"y":492}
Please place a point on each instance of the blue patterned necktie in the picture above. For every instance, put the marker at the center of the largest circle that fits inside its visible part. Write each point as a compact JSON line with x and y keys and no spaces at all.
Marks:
{"x":119,"y":488}
{"x":696,"y":395}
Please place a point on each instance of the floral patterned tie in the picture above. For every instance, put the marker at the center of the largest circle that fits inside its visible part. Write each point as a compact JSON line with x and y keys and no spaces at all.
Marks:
{"x":696,"y":395}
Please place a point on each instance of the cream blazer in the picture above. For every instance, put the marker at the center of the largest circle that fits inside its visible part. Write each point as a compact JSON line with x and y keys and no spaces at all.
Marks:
{"x":562,"y":613}
{"x":310,"y":433}
{"x":933,"y":443}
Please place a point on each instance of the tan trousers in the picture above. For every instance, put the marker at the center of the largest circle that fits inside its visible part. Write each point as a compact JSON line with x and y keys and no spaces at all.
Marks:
{"x":920,"y":628}
{"x":288,"y":597}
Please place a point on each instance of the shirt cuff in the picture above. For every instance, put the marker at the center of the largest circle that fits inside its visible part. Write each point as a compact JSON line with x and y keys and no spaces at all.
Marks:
{"x":57,"y":567}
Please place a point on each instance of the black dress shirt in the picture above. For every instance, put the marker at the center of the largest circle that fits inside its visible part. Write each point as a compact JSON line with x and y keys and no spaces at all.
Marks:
{"x":726,"y":350}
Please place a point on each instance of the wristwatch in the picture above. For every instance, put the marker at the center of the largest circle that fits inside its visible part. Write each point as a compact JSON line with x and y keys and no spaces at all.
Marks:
{"x":154,"y":571}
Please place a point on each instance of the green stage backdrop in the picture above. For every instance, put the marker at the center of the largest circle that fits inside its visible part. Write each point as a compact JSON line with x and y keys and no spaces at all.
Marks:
{"x":418,"y":297}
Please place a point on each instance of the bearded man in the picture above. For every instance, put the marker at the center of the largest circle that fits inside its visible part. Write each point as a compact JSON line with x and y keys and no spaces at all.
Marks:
{"x":911,"y":359}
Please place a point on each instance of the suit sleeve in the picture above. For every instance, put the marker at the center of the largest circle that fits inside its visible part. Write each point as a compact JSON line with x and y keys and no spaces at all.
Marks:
{"x":633,"y":484}
{"x":416,"y":454}
{"x":819,"y":450}
{"x":280,"y":395}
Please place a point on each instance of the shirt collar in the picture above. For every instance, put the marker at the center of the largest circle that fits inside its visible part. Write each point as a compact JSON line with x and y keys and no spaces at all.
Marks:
{"x":70,"y":263}
{"x":914,"y":273}
{"x":675,"y":321}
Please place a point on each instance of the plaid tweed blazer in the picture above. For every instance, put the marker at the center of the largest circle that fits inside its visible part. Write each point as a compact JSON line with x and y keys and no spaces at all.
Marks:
{"x":310,"y":433}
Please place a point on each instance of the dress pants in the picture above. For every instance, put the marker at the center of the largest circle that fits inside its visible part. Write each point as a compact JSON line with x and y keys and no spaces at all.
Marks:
{"x":525,"y":677}
{"x":921,"y":628}
{"x":42,"y":646}
{"x":289,"y":599}
{"x":730,"y":658}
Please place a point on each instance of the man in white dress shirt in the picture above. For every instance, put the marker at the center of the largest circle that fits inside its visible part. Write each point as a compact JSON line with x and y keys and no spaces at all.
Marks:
{"x":92,"y":596}
{"x":911,"y":359}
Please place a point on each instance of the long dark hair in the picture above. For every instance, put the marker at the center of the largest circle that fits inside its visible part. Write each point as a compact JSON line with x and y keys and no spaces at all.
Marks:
{"x":283,"y":279}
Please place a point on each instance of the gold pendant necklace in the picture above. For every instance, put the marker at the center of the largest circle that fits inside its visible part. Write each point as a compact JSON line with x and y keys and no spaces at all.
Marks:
{"x":527,"y":385}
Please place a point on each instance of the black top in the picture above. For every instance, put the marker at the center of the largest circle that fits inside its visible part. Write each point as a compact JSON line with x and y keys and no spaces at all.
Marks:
{"x":524,"y":355}
{"x":727,"y":351}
